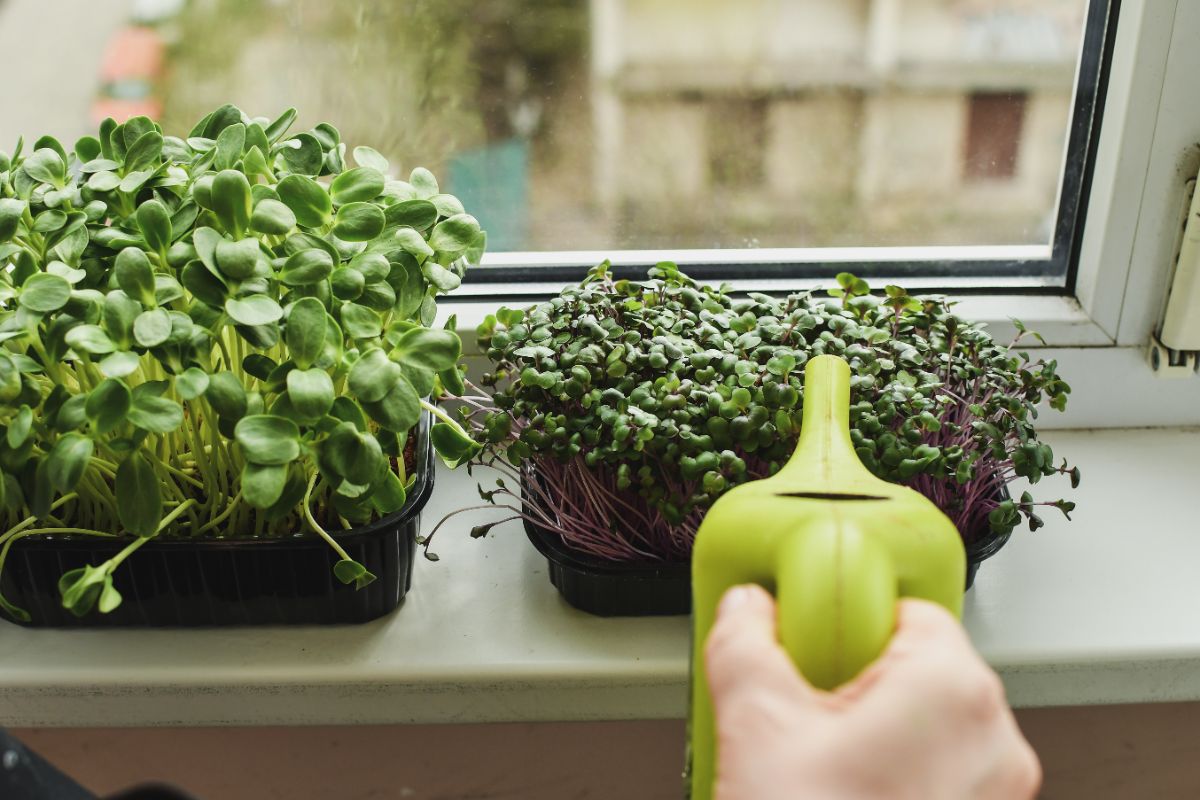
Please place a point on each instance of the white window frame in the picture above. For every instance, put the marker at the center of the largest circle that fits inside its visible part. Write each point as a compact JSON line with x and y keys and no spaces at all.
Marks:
{"x":1146,"y":153}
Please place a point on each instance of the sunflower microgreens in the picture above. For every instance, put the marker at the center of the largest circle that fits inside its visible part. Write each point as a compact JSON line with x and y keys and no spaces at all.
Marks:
{"x":223,"y":335}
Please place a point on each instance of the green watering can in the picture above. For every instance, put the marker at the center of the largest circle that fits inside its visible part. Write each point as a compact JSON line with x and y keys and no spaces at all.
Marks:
{"x":837,"y":547}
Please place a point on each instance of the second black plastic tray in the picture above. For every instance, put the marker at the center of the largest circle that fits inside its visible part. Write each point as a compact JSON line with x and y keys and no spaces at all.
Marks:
{"x":614,"y":589}
{"x":647,"y":588}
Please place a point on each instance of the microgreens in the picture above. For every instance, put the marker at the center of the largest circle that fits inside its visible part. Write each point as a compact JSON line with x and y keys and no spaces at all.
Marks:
{"x":220,"y":335}
{"x":629,"y":407}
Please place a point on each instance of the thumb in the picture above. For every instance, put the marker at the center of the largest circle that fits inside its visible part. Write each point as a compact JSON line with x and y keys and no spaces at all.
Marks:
{"x":743,"y":655}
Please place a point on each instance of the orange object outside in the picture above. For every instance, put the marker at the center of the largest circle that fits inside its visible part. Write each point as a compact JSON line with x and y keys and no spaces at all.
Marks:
{"x":134,"y":56}
{"x":133,"y":53}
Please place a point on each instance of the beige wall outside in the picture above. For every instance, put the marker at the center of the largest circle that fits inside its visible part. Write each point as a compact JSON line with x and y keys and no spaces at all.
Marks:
{"x":950,"y":30}
{"x":810,"y":145}
{"x":912,"y":146}
{"x":664,"y":160}
{"x":1044,"y":143}
{"x":745,"y":32}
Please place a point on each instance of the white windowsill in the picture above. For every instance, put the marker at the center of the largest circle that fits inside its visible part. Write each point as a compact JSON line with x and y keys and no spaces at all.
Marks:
{"x":1100,"y":610}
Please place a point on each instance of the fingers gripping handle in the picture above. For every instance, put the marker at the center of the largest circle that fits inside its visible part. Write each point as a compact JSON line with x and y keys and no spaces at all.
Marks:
{"x":837,"y":593}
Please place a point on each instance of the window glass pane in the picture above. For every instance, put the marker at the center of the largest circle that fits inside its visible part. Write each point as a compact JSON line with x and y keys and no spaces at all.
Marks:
{"x":615,"y":124}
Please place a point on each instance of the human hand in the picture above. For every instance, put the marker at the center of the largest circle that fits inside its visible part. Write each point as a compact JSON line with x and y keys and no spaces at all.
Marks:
{"x":927,"y":721}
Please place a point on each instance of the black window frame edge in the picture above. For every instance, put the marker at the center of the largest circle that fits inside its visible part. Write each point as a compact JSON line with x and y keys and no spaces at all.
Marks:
{"x":1058,"y":272}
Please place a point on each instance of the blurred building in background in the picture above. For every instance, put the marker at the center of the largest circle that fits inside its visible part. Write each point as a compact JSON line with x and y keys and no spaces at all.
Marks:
{"x":615,"y":124}
{"x":833,"y":122}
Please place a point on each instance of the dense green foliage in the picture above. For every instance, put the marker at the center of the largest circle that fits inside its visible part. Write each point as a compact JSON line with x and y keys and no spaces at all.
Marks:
{"x":213,"y":335}
{"x":672,"y":392}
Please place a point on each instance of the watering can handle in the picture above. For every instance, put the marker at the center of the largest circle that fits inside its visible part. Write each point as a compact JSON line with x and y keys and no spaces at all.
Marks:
{"x":837,"y":584}
{"x":837,"y":569}
{"x":836,"y":595}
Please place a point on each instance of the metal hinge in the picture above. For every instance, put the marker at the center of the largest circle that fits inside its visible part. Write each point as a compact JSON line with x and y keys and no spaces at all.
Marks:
{"x":1168,"y":363}
{"x":1174,"y":350}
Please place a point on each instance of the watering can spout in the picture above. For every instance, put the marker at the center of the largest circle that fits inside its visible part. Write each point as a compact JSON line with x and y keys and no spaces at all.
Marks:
{"x":824,"y":459}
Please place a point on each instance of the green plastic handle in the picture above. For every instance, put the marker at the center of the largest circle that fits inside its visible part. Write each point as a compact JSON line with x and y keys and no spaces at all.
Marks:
{"x":835,"y":545}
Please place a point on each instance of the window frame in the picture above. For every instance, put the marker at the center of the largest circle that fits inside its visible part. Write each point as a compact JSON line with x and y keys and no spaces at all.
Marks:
{"x":1048,"y":268}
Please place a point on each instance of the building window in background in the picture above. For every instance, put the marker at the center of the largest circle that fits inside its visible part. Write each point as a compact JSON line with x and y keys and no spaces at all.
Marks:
{"x":737,"y":138}
{"x":994,"y":124}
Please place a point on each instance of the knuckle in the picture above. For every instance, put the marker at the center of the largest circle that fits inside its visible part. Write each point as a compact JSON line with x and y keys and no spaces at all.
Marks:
{"x":991,"y":686}
{"x":926,"y":618}
{"x":1034,"y":775}
{"x":751,"y":711}
{"x":722,"y":651}
{"x":1025,"y":773}
{"x":720,"y":640}
{"x":977,"y":691}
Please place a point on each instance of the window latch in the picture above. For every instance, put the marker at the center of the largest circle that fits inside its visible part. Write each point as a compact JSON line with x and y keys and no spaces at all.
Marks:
{"x":1175,"y":348}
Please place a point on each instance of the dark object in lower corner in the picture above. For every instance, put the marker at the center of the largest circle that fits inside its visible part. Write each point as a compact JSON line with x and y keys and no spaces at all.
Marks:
{"x":178,"y":583}
{"x":24,"y":775}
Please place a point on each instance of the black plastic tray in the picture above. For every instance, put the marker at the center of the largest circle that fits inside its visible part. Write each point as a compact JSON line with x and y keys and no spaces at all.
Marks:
{"x":614,"y":589}
{"x":231,"y":581}
{"x":978,"y":552}
{"x":648,"y":588}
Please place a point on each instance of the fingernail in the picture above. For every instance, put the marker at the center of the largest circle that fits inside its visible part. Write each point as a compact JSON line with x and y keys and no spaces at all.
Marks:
{"x":737,"y":596}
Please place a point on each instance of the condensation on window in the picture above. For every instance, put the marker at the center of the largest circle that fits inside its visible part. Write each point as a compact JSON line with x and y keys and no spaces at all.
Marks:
{"x":615,"y":124}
